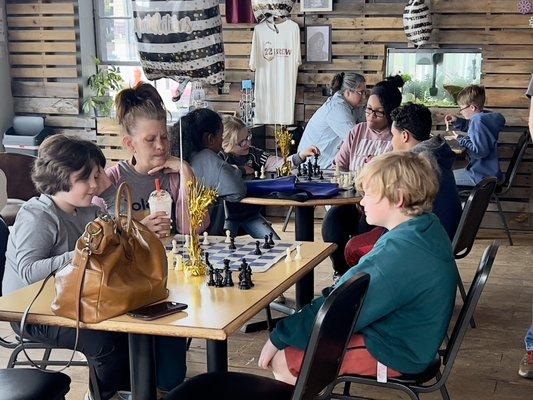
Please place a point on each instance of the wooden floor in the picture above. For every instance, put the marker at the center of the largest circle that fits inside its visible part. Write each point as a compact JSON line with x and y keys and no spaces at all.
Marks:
{"x":487,"y":365}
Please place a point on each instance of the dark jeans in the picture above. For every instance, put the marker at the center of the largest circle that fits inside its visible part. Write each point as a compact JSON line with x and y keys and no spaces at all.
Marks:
{"x":106,"y":352}
{"x":339,"y":225}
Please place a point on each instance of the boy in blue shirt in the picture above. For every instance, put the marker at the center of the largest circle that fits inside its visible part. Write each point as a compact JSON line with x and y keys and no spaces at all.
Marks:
{"x":481,"y":141}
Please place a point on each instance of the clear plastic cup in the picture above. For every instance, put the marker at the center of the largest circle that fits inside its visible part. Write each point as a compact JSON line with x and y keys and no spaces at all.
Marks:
{"x":160,"y":200}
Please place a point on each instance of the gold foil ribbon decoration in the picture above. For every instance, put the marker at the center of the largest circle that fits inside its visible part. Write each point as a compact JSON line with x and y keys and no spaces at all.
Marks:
{"x":284,"y":141}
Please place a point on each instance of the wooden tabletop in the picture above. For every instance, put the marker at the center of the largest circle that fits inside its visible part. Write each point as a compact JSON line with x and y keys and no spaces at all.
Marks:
{"x":213,"y":313}
{"x":345,"y":197}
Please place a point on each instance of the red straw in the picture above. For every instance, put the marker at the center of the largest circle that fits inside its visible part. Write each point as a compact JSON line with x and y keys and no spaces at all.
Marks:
{"x":157,"y":185}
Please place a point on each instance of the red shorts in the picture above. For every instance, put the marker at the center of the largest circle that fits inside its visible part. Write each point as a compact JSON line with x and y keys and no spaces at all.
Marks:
{"x":357,"y":360}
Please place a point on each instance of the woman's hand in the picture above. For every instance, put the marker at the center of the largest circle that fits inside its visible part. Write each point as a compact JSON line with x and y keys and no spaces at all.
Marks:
{"x":159,"y":223}
{"x":310,"y":151}
{"x":171,"y":165}
{"x":267,"y":354}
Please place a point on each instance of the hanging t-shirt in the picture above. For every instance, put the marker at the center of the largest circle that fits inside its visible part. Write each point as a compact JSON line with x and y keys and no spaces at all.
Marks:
{"x":275,"y":58}
{"x":239,"y":11}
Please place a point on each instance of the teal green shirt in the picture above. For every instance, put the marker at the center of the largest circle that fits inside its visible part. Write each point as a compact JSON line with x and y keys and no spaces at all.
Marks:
{"x":409,"y":303}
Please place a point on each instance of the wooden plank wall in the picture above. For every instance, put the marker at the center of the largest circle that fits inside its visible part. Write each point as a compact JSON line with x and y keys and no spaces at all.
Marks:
{"x":43,"y":42}
{"x":361,"y":32}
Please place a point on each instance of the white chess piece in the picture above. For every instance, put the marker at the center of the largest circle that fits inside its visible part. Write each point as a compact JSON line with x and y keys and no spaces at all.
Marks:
{"x":174,"y":246}
{"x":178,"y":262}
{"x":170,"y":259}
{"x":337,"y":170}
{"x":228,"y":236}
{"x":256,"y":173}
{"x":298,"y":252}
{"x":288,"y":258}
{"x":263,"y":176}
{"x":206,"y":240}
{"x":186,"y":244}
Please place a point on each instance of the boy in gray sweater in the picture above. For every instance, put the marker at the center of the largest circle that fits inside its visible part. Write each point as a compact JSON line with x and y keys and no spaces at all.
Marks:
{"x":46,"y":229}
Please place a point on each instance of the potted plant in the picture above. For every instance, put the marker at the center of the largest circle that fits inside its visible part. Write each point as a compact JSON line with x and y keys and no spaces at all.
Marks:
{"x":101,"y":84}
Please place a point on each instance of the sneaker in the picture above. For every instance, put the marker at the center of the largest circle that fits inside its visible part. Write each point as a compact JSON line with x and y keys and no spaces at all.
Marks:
{"x":122,"y":395}
{"x":280,"y":299}
{"x":526,"y":366}
{"x":88,"y":395}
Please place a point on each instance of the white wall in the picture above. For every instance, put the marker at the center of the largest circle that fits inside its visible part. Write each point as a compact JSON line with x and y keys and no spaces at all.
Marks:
{"x":6,"y":99}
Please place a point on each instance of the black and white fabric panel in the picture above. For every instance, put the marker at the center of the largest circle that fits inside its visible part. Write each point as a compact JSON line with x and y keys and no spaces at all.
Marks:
{"x":271,"y":8}
{"x":417,"y":22}
{"x":181,"y":40}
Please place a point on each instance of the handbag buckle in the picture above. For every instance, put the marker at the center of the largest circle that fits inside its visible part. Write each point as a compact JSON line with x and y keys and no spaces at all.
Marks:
{"x":89,"y":235}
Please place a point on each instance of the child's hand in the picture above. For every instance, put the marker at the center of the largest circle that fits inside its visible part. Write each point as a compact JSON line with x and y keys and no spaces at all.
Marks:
{"x":249,"y":170}
{"x":102,"y":182}
{"x":267,"y":354}
{"x":449,"y":119}
{"x":311,"y":151}
{"x":159,"y":223}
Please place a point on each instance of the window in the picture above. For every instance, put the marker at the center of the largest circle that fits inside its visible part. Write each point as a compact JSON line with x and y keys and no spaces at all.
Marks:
{"x":434,"y":76}
{"x":117,"y":45}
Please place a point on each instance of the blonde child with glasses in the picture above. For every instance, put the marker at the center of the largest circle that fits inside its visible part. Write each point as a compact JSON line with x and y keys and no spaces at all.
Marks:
{"x":237,"y":150}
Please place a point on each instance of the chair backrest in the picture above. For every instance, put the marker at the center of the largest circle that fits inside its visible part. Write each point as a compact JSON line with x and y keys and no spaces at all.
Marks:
{"x":332,"y":330}
{"x":17,"y":168}
{"x":473,"y":212}
{"x":467,"y":311}
{"x":514,"y":163}
{"x":4,"y":234}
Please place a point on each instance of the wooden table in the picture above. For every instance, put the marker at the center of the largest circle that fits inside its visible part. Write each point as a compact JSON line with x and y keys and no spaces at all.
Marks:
{"x":213,"y":313}
{"x":305,"y":228}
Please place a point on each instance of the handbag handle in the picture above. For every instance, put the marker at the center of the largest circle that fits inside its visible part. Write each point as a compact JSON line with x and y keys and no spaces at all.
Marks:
{"x":123,"y":191}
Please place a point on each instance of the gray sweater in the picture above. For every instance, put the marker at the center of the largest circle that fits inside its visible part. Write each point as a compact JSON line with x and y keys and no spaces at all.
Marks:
{"x":41,"y":241}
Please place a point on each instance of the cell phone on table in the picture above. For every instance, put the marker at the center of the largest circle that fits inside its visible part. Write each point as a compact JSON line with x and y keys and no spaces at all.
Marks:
{"x":157,"y":310}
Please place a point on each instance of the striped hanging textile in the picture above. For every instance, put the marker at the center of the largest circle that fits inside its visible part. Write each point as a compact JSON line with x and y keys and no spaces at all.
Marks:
{"x":417,"y":22}
{"x":181,"y":40}
{"x":264,"y":9}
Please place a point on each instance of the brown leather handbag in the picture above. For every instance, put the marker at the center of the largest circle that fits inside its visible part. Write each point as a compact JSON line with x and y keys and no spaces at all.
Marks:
{"x":119,"y":265}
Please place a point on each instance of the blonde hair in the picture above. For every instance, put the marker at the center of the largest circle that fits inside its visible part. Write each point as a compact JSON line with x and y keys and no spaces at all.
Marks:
{"x":412,"y":175}
{"x":230,"y":135}
{"x":142,"y":100}
{"x":472,"y":95}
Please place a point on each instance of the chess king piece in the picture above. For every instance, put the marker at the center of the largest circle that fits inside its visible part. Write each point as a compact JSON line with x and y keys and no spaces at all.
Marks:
{"x":228,"y":280}
{"x":228,"y":236}
{"x":245,"y":279}
{"x":211,"y":281}
{"x":249,"y":275}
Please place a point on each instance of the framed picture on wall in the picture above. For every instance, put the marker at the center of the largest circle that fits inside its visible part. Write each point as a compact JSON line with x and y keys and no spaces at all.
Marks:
{"x":316,"y":5}
{"x":318,"y":44}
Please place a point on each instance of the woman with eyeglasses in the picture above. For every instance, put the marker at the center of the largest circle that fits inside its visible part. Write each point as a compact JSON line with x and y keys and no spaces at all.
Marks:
{"x":238,"y":151}
{"x":367,"y":140}
{"x":332,"y":122}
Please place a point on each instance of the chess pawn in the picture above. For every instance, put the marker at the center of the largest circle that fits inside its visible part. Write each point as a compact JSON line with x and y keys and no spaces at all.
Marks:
{"x":206,"y":240}
{"x":263,"y":176}
{"x":256,"y":174}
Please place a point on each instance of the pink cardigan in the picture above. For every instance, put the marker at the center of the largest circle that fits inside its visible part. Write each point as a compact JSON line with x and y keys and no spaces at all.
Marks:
{"x":361,"y":145}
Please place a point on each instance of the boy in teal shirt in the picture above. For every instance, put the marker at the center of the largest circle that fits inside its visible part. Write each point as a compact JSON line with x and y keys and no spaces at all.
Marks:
{"x":413,"y":280}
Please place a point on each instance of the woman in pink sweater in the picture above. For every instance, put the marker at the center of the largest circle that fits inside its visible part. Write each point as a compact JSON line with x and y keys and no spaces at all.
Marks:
{"x":366,"y":140}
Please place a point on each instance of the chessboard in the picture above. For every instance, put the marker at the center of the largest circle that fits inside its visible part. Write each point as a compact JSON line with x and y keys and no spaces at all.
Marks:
{"x":218,"y":251}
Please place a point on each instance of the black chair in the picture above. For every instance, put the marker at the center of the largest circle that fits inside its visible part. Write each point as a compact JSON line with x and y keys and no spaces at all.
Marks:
{"x":332,"y":330}
{"x":473,"y":211}
{"x":510,"y":175}
{"x":31,"y":384}
{"x":439,"y":370}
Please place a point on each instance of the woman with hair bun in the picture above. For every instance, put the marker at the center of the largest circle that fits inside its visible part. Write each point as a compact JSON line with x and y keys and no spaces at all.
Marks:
{"x":331,"y":123}
{"x":142,"y":115}
{"x":366,"y":140}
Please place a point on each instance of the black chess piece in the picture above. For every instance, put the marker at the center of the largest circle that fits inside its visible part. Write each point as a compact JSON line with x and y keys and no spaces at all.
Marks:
{"x":206,"y":255}
{"x":257,"y":250}
{"x":211,"y":281}
{"x":219,"y":280}
{"x":232,"y":246}
{"x":321,"y":176}
{"x":244,"y":279}
{"x":309,"y":171}
{"x":249,"y":275}
{"x":304,"y":169}
{"x":266,"y":245}
{"x":272,"y":175}
{"x":228,"y":280}
{"x":299,"y":170}
{"x":315,"y":165}
{"x":270,"y":240}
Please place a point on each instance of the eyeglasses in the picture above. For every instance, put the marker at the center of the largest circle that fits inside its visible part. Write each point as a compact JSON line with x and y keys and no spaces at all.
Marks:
{"x":464,"y":108}
{"x":361,"y":93}
{"x":377,"y":114}
{"x":245,"y":141}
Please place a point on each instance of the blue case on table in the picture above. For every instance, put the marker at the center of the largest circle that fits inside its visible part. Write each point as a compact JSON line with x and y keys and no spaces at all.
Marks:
{"x":288,"y":188}
{"x":318,"y":190}
{"x":264,"y":187}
